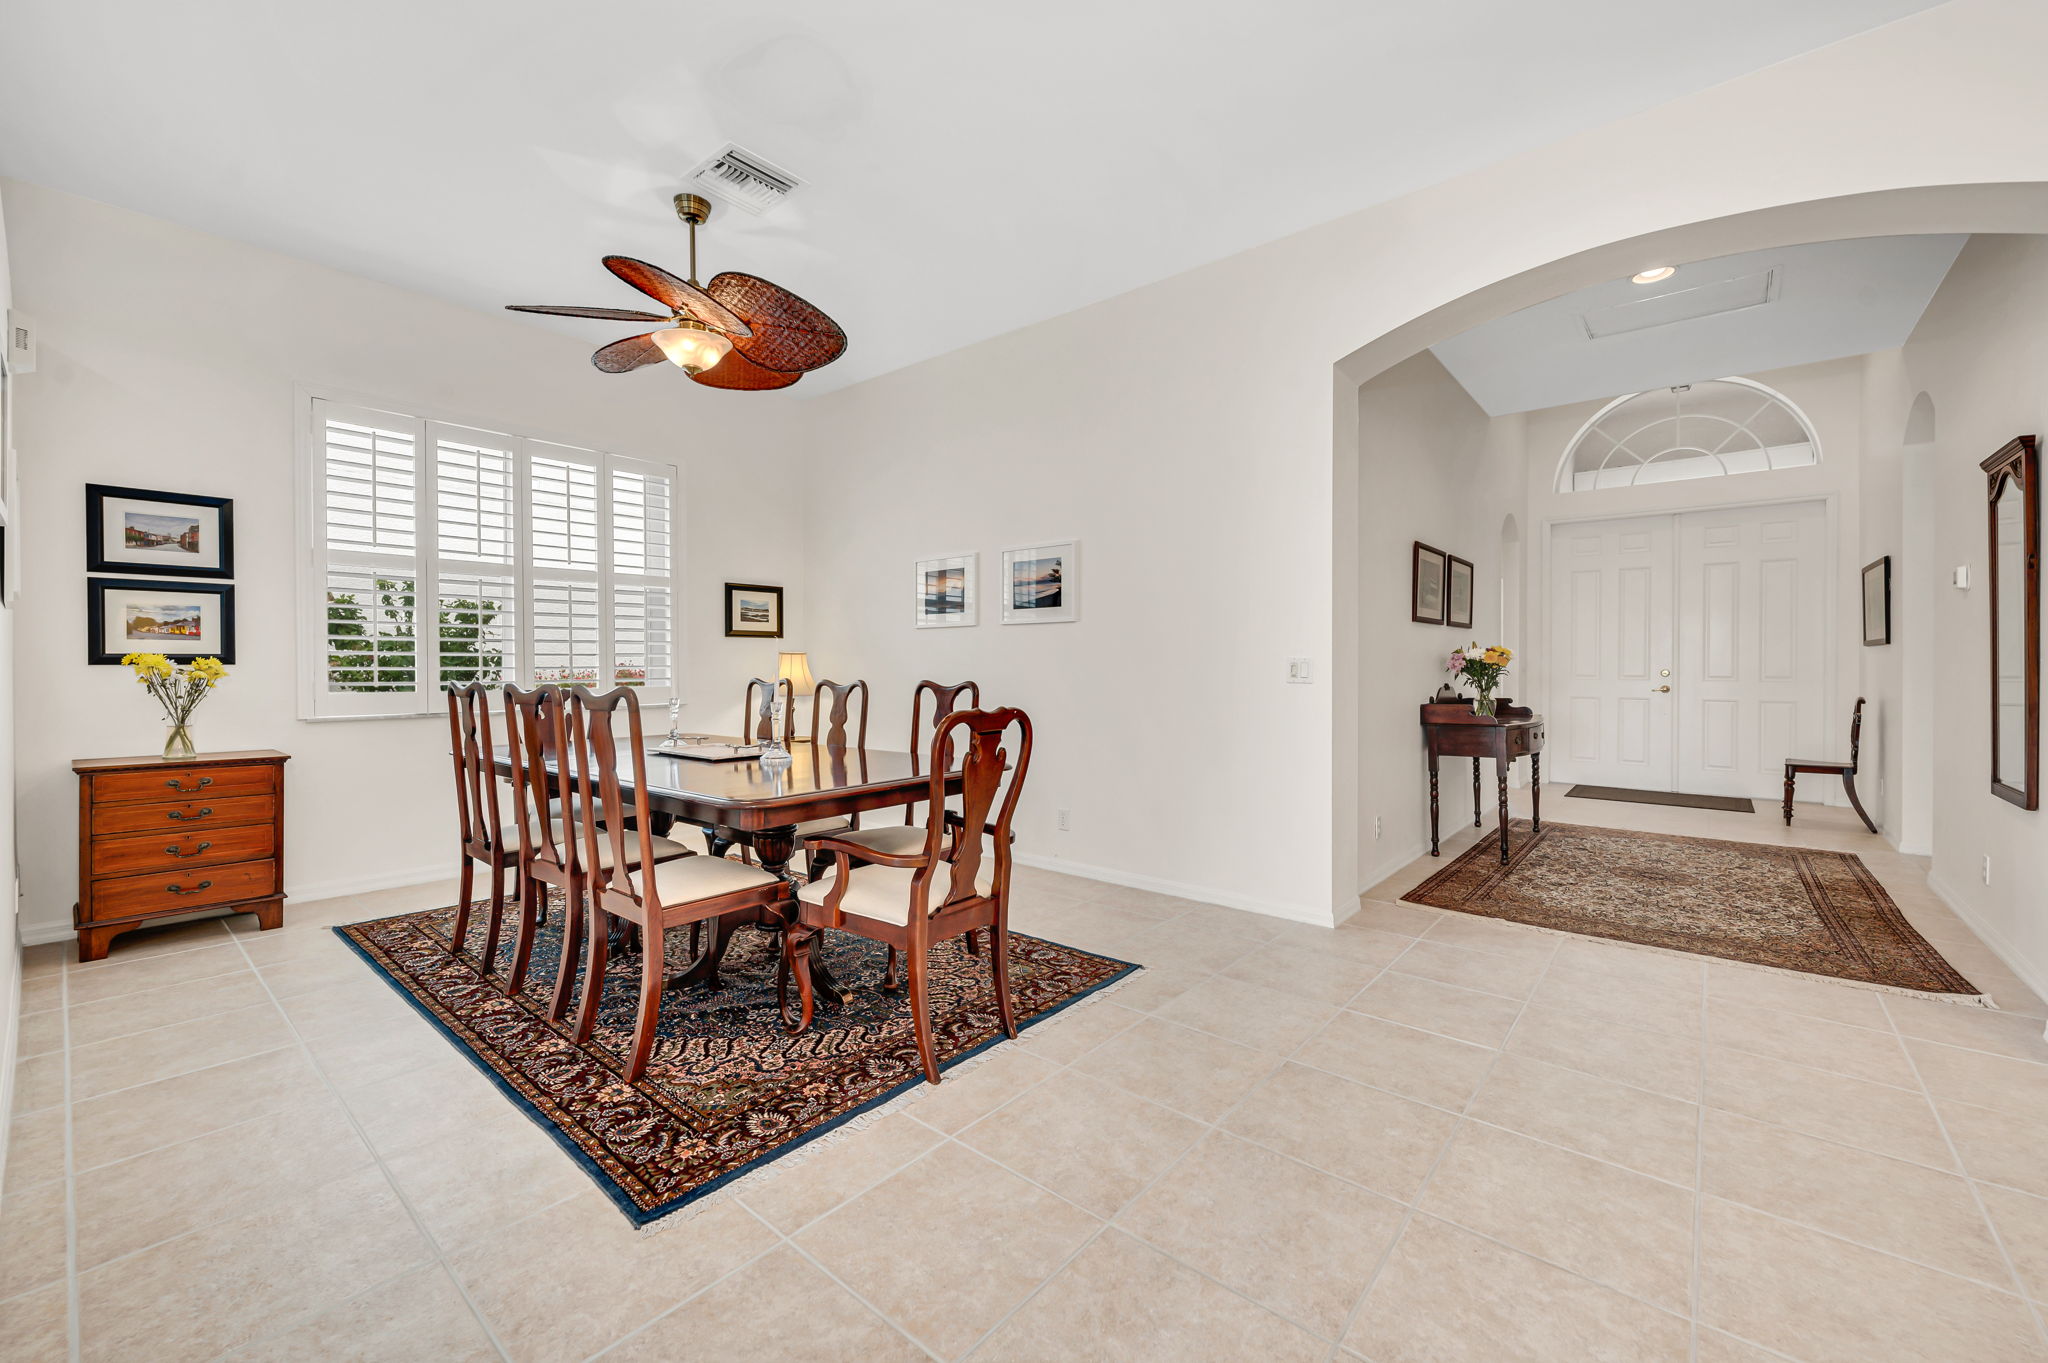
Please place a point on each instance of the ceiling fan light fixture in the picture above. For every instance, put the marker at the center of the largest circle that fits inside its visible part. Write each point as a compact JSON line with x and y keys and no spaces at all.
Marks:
{"x":691,"y":346}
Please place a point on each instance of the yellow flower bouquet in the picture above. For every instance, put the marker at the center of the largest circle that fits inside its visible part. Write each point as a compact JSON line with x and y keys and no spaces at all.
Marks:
{"x":1483,"y":667}
{"x":178,"y":690}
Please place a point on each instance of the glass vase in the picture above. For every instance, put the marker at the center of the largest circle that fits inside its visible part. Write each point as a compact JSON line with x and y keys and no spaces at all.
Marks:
{"x":1484,"y":705}
{"x":178,"y":742}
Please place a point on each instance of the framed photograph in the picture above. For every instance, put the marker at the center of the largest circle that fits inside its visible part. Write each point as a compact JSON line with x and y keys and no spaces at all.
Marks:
{"x":1877,"y":602}
{"x":946,"y":591}
{"x":1426,"y":585}
{"x":180,"y":620}
{"x":752,"y":611}
{"x":129,"y":529}
{"x":1457,"y":592}
{"x":1042,"y":583}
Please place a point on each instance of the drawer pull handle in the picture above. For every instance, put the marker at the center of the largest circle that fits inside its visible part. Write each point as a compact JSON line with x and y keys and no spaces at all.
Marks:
{"x":180,"y":889}
{"x":204,"y":782}
{"x":173,"y":850}
{"x":181,"y":814}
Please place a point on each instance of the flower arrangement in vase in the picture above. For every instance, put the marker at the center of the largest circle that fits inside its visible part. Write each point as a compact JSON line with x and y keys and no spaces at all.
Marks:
{"x":1483,"y":667}
{"x":179,"y":691}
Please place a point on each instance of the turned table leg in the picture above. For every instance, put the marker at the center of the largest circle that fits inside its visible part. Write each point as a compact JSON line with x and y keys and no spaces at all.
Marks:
{"x":1789,"y":779}
{"x":1535,"y":792}
{"x":1500,"y":775}
{"x":1432,"y":805}
{"x":1475,"y":792}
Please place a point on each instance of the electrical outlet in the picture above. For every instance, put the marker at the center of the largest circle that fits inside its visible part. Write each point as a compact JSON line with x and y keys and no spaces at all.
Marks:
{"x":1300,"y":671}
{"x":1062,"y":819}
{"x":1379,"y":827}
{"x":1987,"y":868}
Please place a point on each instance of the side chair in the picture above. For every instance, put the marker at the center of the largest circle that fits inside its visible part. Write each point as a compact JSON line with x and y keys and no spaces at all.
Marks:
{"x":481,"y":816}
{"x":957,"y":882}
{"x":632,"y":880}
{"x":907,"y":836}
{"x":756,"y":727}
{"x":551,"y":854}
{"x":834,"y":706}
{"x":1822,"y":766}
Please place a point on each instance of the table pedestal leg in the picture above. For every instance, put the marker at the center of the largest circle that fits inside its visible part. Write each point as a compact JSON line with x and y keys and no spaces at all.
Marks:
{"x":1500,"y":776}
{"x":773,"y":847}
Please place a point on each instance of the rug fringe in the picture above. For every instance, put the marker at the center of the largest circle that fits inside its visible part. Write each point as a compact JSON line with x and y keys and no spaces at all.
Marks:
{"x":753,"y":1179}
{"x":1960,"y":1000}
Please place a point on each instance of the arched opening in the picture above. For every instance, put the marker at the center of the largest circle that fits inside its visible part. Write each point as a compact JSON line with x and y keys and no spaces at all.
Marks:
{"x":1696,"y":430}
{"x":1914,"y":588}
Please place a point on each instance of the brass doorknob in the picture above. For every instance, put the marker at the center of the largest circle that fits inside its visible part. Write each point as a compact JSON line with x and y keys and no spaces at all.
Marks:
{"x":1661,"y":688}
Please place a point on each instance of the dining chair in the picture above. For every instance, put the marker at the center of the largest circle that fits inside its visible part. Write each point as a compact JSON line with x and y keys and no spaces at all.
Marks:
{"x":834,"y":706}
{"x":756,"y":728}
{"x":907,"y":836}
{"x":1827,"y":767}
{"x":480,"y":812}
{"x":956,"y":884}
{"x":632,"y":881}
{"x":551,"y":854}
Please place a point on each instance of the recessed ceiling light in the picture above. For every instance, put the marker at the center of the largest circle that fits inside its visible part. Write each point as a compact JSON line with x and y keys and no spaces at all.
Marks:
{"x":1656,"y":274}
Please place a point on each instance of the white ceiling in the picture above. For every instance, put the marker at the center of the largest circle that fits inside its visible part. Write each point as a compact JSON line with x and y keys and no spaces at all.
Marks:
{"x":971,"y":167}
{"x":1739,"y":314}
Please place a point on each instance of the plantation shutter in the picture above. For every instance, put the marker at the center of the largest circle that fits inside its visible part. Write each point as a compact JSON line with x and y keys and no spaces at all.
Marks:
{"x":477,"y":556}
{"x":643,"y":611}
{"x":366,"y":530}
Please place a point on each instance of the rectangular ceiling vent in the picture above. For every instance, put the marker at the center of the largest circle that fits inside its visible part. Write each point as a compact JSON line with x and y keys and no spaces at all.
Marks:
{"x":1684,"y":305}
{"x":738,"y":177}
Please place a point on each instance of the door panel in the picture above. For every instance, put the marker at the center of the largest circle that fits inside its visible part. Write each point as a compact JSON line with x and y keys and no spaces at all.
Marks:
{"x":1752,"y":645}
{"x":1612,"y":634}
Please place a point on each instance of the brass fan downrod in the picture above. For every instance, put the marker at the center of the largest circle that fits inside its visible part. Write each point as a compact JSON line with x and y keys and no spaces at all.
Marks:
{"x":693,"y":209}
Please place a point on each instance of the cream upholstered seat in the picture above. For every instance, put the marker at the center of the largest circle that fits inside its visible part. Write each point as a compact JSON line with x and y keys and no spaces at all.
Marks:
{"x":665,"y":849}
{"x":895,"y":840}
{"x":881,"y":894}
{"x":679,"y":882}
{"x":811,"y":828}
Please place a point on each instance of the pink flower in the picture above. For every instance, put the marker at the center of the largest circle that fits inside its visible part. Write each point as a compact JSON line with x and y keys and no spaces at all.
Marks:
{"x":1457,"y":663}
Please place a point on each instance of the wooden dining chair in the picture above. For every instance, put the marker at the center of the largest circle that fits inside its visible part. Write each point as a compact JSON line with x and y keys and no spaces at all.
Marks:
{"x":758,"y":728}
{"x":480,"y":813}
{"x":907,"y":836}
{"x":551,"y":855}
{"x":956,"y":884}
{"x":834,"y":707}
{"x":1825,"y":767}
{"x":632,"y":881}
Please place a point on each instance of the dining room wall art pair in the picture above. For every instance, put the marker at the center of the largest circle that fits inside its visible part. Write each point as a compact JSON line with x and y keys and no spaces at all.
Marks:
{"x":1440,"y":588}
{"x":1040,"y":585}
{"x":175,"y":538}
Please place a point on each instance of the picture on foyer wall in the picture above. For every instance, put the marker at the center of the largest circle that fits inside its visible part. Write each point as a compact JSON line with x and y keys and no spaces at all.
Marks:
{"x":1458,"y":592}
{"x":1042,"y":584}
{"x":1877,"y":602}
{"x":180,"y":620}
{"x":129,"y":529}
{"x":1426,"y":584}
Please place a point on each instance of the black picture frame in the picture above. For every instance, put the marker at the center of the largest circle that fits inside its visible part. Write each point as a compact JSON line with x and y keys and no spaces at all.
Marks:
{"x":1878,"y":576}
{"x":1427,"y":564}
{"x":732,"y":589}
{"x":1451,"y":565}
{"x":97,"y":589}
{"x":96,"y":560}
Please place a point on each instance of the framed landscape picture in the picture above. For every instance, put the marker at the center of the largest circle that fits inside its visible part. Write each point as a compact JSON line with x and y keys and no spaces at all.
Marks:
{"x":1042,"y":583}
{"x":946,"y":590}
{"x":1426,"y":584}
{"x":1877,"y":602}
{"x":181,"y":620}
{"x":130,"y":529}
{"x":752,"y":611}
{"x":1457,"y":592}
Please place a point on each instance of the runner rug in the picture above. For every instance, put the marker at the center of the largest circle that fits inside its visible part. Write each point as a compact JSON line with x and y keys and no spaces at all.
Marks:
{"x":727,"y":1089}
{"x":1792,"y":908}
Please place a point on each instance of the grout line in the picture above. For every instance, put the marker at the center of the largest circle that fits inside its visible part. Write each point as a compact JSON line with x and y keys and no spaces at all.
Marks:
{"x":1699,"y":1182}
{"x":73,"y":1318}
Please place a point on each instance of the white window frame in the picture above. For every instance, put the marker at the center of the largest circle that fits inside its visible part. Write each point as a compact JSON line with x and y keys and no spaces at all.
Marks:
{"x":1566,"y":479}
{"x":314,"y":407}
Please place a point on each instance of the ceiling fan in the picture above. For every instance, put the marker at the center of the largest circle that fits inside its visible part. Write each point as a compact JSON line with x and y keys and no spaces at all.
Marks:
{"x":738,"y":331}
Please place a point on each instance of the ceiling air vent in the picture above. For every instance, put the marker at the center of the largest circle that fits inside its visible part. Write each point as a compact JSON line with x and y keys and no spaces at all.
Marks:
{"x":744,"y":180}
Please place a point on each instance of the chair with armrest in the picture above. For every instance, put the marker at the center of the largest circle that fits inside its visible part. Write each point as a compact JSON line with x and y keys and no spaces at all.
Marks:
{"x":955,"y":884}
{"x":844,"y":738}
{"x":631,"y":880}
{"x":1827,"y":767}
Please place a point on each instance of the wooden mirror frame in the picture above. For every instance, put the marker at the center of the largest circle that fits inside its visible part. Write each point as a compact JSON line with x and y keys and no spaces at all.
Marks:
{"x":2018,"y":462}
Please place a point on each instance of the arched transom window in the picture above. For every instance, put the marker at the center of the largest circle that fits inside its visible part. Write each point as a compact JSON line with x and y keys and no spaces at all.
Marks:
{"x":1697,"y":430}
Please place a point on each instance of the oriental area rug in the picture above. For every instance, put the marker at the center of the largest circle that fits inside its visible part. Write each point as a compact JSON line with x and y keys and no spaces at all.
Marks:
{"x":1792,"y":908}
{"x":727,"y":1090}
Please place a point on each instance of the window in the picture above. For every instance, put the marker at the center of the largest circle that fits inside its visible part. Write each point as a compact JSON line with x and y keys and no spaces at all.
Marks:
{"x":1699,"y":430}
{"x":438,"y":553}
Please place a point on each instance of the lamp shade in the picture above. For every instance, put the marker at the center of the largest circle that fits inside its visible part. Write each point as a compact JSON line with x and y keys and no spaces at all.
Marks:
{"x":795,"y":668}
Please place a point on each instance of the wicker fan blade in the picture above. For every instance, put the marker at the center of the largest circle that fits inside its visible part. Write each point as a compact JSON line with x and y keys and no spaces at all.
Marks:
{"x":788,"y":334}
{"x":621,"y":357}
{"x":605,"y":314}
{"x":679,"y":294}
{"x":737,"y":371}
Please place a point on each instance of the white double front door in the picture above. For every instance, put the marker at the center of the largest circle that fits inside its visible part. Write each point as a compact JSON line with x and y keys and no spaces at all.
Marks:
{"x":1689,"y":651}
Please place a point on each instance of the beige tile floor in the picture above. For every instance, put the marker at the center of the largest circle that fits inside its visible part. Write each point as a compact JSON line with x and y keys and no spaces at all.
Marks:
{"x":1419,"y":1138}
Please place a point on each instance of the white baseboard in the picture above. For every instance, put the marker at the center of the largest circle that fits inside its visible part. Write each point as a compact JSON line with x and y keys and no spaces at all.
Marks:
{"x":1294,"y":913}
{"x":2028,"y":974}
{"x":1389,"y":864}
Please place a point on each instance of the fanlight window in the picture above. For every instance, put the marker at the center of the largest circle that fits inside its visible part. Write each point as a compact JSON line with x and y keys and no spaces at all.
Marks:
{"x":1699,"y":430}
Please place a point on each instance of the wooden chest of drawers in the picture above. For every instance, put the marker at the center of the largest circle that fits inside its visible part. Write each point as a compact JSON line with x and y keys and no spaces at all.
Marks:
{"x":158,"y":838}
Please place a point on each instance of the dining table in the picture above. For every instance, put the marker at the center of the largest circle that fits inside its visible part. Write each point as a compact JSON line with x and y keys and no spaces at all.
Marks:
{"x":761,"y":804}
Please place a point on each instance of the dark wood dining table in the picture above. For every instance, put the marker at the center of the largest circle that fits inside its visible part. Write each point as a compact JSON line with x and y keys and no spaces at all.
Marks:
{"x":765,"y":804}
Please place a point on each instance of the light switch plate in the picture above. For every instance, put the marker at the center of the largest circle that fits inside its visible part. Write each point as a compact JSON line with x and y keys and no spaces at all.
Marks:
{"x":1300,"y":671}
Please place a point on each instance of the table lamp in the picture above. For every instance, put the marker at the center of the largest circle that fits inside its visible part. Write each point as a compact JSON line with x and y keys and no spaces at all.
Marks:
{"x":795,"y":668}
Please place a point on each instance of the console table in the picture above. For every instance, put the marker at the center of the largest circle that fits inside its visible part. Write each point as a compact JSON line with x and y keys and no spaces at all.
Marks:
{"x":158,"y":838}
{"x":1454,"y":730}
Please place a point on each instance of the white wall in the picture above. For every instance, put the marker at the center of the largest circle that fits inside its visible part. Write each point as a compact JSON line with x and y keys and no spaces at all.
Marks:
{"x":1431,"y":468}
{"x":10,"y":943}
{"x":169,"y":360}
